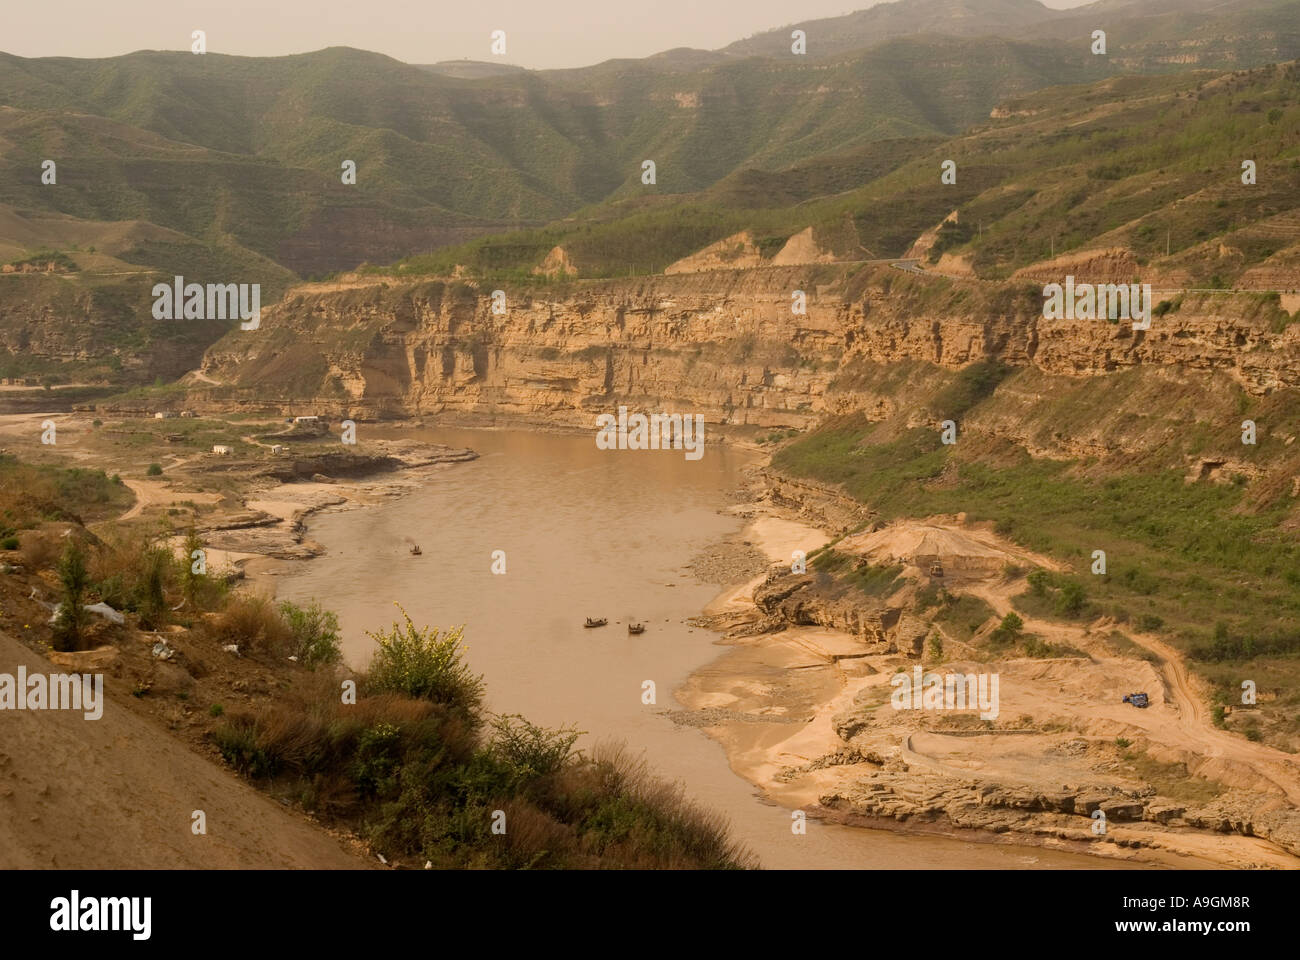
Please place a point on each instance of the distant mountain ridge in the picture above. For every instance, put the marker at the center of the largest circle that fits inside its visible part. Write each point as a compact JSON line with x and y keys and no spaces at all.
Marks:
{"x":901,"y":18}
{"x":230,"y":168}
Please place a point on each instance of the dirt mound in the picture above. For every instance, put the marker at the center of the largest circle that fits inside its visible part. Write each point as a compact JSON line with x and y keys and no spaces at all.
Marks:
{"x":803,"y":248}
{"x":736,"y":252}
{"x":920,"y":544}
{"x":556,"y":264}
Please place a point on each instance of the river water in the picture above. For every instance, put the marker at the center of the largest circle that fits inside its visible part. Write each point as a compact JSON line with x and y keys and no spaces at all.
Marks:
{"x":586,"y":532}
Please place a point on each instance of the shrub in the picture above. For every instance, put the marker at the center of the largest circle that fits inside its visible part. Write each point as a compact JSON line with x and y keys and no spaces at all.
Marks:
{"x":1070,"y":601}
{"x":1008,"y":630}
{"x":314,"y":633}
{"x":636,"y":820}
{"x":151,"y":588}
{"x":155,"y":470}
{"x":238,"y":746}
{"x":1038,"y":648}
{"x":9,"y":543}
{"x":528,"y":751}
{"x":936,"y":646}
{"x":199,"y":589}
{"x":425,"y":664}
{"x":74,"y":578}
{"x":252,"y":621}
{"x":1038,"y":581}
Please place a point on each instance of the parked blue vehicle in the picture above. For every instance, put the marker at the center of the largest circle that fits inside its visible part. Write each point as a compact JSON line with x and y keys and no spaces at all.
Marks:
{"x":1137,"y":699}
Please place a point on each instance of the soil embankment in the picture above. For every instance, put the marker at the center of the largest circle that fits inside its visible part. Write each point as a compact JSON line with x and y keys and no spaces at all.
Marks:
{"x":117,"y":793}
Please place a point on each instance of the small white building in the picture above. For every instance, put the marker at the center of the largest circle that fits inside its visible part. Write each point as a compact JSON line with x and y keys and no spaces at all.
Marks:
{"x":305,"y":419}
{"x":222,"y":449}
{"x":164,"y":415}
{"x":277,"y":448}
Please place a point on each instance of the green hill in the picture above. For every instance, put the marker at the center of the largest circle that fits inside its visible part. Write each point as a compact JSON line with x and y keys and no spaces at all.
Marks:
{"x":1146,"y":165}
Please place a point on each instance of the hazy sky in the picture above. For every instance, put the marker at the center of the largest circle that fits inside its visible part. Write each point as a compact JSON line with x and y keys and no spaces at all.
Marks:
{"x":539,"y":33}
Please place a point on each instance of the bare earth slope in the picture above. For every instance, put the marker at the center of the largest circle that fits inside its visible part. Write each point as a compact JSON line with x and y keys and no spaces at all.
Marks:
{"x":118,"y":793}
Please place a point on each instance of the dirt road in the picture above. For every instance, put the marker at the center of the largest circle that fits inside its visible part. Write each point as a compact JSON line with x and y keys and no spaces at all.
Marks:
{"x":1182,"y":720}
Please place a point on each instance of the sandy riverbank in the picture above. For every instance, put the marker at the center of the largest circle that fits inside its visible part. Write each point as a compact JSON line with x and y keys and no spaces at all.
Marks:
{"x":777,"y":702}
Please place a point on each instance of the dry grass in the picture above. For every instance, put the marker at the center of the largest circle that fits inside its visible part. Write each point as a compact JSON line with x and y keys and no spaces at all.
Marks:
{"x":253,"y":622}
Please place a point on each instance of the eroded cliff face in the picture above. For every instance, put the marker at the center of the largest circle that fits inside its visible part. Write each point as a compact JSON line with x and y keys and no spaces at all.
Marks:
{"x":725,"y":344}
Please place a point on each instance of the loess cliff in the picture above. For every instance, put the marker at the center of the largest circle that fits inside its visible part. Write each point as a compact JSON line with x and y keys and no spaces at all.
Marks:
{"x":728,"y":345}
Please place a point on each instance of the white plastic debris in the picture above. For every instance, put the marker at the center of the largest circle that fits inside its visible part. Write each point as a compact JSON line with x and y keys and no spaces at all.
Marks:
{"x":428,"y":864}
{"x":231,"y":648}
{"x":105,"y":611}
{"x":163,"y":652}
{"x":381,"y":858}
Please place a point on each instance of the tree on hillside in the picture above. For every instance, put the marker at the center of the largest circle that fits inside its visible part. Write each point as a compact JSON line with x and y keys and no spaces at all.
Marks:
{"x":75,"y":578}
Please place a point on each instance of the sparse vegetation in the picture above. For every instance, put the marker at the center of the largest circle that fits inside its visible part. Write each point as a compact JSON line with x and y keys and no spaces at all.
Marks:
{"x":411,"y":766}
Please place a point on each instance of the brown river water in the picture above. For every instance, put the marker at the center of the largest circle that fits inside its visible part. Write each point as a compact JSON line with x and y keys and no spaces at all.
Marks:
{"x":588,"y":532}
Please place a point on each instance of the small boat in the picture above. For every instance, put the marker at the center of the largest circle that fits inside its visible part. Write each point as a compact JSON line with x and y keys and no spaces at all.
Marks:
{"x":593,"y":622}
{"x":415,"y":550}
{"x":636,"y":628}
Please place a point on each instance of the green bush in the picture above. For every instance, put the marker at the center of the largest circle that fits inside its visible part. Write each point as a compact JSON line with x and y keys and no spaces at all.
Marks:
{"x":1070,"y":601}
{"x":9,"y":543}
{"x":155,"y":470}
{"x":75,"y":578}
{"x":426,"y":664}
{"x":1038,"y":581}
{"x":315,"y":633}
{"x":528,"y":751}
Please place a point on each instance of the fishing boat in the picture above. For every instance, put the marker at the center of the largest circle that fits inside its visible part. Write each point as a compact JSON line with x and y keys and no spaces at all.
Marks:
{"x":593,"y":622}
{"x":636,"y":628}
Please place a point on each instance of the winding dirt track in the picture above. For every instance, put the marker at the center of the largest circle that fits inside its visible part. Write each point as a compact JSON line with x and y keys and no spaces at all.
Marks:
{"x":1188,"y":725}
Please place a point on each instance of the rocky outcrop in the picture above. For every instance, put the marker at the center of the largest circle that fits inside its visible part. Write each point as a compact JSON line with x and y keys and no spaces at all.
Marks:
{"x":815,"y":599}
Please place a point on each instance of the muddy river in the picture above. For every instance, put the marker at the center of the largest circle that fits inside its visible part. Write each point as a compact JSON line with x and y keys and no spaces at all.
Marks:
{"x":587,"y":532}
